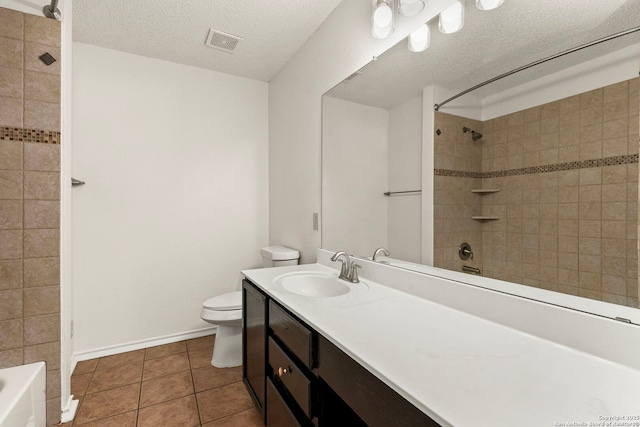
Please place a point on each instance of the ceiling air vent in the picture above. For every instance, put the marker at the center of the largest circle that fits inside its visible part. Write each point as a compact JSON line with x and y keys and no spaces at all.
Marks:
{"x":222,"y":41}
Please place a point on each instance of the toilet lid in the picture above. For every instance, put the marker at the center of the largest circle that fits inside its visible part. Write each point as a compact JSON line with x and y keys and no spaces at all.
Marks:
{"x":225,"y":302}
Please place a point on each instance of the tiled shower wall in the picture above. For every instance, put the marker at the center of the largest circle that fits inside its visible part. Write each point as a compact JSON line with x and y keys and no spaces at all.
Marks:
{"x":30,"y":197}
{"x":568,"y":202}
{"x":458,"y":165}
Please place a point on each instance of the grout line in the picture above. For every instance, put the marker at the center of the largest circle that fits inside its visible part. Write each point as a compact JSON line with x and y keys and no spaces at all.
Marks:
{"x":81,"y":403}
{"x":144,"y":360}
{"x":193,"y":383}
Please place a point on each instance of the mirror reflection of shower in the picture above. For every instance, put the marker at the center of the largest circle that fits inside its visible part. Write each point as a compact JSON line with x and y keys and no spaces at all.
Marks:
{"x":474,"y":135}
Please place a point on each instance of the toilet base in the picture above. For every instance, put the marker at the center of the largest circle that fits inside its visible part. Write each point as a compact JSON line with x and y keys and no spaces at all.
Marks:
{"x":227,"y":349}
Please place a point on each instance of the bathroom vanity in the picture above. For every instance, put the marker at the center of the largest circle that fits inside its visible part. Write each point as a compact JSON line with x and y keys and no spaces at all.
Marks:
{"x":402,"y":348}
{"x":298,"y":377}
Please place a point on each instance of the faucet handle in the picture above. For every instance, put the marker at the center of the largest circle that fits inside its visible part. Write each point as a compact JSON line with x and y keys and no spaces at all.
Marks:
{"x":344,"y":270}
{"x":465,"y":252}
{"x":353,"y":274}
{"x":346,"y":263}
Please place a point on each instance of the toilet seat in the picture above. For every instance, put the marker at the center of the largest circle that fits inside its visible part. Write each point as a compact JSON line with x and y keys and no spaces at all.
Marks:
{"x":221,"y":316}
{"x":225,"y":302}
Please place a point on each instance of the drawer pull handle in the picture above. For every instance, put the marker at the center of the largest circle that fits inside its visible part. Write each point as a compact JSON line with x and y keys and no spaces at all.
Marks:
{"x":282,"y":371}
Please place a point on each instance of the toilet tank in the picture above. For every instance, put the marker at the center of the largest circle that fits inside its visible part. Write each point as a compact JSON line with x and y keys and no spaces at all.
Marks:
{"x":279,"y":256}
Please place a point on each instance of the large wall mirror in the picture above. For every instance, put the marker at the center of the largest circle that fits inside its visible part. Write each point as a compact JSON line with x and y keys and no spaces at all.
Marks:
{"x":543,"y":184}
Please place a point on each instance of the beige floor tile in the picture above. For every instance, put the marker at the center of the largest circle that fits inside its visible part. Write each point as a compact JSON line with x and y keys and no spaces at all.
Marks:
{"x":166,"y":388}
{"x":128,"y":358}
{"x":80,"y":383}
{"x":165,"y":365}
{"x":85,"y":366}
{"x":182,"y":412}
{"x":105,"y":379}
{"x":212,"y":377}
{"x":202,"y":343}
{"x":128,"y":419}
{"x":165,"y":350}
{"x":162,"y":391}
{"x":248,"y":418}
{"x":223,"y":401}
{"x":200,"y":358}
{"x":108,"y":403}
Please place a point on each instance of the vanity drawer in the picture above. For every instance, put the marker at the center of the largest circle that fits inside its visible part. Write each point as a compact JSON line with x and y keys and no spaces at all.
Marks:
{"x":295,"y":381}
{"x":296,"y":336}
{"x":278,"y":414}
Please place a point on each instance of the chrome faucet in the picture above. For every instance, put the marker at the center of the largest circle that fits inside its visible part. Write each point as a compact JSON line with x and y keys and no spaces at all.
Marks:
{"x":377,"y":251}
{"x":349,"y":270}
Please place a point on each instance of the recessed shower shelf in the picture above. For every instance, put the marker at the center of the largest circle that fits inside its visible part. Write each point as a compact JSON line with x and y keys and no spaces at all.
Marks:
{"x":485,"y":218}
{"x":485,"y":190}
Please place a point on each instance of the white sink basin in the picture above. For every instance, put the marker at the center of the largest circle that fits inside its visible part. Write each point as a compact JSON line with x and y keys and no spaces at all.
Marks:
{"x":312,"y":284}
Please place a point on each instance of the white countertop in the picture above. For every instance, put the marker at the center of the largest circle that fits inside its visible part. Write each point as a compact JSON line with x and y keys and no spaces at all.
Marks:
{"x":463,"y":370}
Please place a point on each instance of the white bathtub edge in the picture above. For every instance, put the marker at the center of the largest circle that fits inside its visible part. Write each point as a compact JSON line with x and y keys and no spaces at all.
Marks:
{"x":25,"y":382}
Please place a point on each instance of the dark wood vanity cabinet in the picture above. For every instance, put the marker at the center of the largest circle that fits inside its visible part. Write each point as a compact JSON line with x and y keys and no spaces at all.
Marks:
{"x":306,"y":380}
{"x":359,"y":396}
{"x":254,"y":341}
{"x":278,"y":356}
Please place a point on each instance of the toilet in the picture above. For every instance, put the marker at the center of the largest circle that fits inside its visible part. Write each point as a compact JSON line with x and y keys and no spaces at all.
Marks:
{"x":225,"y":311}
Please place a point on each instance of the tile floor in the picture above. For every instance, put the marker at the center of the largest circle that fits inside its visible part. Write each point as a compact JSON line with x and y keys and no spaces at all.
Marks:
{"x":164,"y":386}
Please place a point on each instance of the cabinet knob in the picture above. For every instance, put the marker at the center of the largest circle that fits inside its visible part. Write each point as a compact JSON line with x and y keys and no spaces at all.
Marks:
{"x":282,"y":371}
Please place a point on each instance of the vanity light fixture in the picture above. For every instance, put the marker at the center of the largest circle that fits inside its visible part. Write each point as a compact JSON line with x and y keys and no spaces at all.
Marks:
{"x":488,"y":4}
{"x":452,"y":18}
{"x":382,"y":19}
{"x":410,"y":7}
{"x":420,"y":39}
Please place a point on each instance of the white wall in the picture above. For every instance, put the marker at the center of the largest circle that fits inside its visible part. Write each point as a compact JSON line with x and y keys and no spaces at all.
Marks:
{"x":355,"y":157}
{"x":176,"y":196}
{"x":341,"y":45}
{"x":405,"y":173}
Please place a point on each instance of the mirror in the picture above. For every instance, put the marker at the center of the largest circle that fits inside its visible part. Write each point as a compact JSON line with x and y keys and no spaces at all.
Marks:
{"x":546,"y":197}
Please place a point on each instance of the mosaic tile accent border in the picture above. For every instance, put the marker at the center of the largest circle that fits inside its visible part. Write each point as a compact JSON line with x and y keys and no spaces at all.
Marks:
{"x":29,"y":135}
{"x":609,"y":161}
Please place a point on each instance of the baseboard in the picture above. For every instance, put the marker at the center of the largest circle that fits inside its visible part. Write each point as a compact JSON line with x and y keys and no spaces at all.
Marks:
{"x":137,"y":345}
{"x":69,"y":411}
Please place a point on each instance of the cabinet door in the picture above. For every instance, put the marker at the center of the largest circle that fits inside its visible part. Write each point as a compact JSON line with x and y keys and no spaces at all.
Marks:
{"x":254,"y":341}
{"x":371,"y":400}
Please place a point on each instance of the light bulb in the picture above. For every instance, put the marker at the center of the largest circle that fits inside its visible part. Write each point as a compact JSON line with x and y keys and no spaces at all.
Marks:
{"x":419,"y":40}
{"x":488,"y":4}
{"x":382,"y":19}
{"x":410,"y":7}
{"x":383,"y":15}
{"x":452,"y":18}
{"x":382,"y":32}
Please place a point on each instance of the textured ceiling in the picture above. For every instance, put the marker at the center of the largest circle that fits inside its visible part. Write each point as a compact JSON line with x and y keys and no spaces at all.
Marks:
{"x":491,"y":43}
{"x":176,"y":30}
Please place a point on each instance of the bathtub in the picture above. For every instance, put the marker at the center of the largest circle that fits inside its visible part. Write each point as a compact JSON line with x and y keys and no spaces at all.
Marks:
{"x":23,"y":396}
